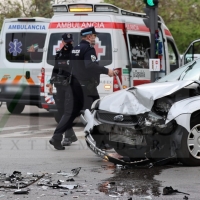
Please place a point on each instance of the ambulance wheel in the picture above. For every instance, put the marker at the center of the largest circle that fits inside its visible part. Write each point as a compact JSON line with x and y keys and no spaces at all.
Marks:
{"x":57,"y":117}
{"x":15,"y":108}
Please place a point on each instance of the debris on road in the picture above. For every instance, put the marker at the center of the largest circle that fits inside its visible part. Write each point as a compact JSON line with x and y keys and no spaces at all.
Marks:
{"x":17,"y":181}
{"x":147,"y":197}
{"x":170,"y":190}
{"x":74,"y":172}
{"x":20,"y":191}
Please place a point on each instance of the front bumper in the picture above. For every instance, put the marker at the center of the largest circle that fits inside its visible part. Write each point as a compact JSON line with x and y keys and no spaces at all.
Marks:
{"x":89,"y":120}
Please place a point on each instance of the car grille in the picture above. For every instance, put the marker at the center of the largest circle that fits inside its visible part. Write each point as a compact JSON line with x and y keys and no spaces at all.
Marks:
{"x":108,"y":117}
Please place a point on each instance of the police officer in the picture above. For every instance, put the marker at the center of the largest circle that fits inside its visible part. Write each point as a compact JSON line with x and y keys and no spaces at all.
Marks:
{"x":86,"y":68}
{"x":86,"y":76}
{"x":60,"y":71}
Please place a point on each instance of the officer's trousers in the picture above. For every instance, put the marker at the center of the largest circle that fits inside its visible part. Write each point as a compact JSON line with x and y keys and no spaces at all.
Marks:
{"x":60,"y":104}
{"x":74,"y":98}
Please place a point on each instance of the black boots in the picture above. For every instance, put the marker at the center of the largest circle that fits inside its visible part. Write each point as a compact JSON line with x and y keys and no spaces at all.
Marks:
{"x":70,"y":137}
{"x":57,"y":144}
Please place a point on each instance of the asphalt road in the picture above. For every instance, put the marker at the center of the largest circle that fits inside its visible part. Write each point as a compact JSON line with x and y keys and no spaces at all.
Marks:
{"x":24,"y":147}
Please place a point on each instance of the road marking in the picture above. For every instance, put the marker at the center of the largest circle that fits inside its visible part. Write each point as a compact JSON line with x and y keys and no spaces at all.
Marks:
{"x":78,"y":131}
{"x":19,"y":127}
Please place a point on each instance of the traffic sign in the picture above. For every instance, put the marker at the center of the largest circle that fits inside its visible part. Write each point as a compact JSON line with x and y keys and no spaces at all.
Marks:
{"x":154,"y":64}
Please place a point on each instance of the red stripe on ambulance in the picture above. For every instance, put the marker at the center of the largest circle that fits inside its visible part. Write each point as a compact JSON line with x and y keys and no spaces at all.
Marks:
{"x":101,"y":25}
{"x":140,"y":82}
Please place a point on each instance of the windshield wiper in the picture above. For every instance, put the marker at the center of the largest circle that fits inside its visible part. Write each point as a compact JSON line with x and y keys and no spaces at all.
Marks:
{"x":186,"y":70}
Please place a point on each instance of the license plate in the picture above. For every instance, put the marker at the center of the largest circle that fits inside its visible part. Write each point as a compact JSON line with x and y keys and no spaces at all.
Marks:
{"x":12,"y":89}
{"x":123,"y":138}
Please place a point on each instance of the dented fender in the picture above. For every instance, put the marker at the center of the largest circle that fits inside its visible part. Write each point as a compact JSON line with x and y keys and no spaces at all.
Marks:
{"x":181,"y":111}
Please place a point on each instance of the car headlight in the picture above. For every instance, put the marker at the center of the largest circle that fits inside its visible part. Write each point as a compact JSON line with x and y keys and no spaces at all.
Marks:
{"x":163,"y":105}
{"x":95,"y":104}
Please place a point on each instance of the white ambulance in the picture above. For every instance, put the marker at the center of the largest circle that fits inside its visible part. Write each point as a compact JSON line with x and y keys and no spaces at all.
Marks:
{"x":21,"y":54}
{"x":123,"y":44}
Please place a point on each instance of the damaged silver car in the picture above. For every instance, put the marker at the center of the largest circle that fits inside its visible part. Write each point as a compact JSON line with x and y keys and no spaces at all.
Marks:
{"x":152,"y":121}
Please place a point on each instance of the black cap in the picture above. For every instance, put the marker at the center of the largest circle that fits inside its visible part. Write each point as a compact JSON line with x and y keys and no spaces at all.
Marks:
{"x":67,"y":37}
{"x":87,"y":31}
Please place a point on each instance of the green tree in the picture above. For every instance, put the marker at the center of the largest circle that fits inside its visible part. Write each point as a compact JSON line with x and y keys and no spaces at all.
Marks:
{"x":9,"y":9}
{"x":25,"y":8}
{"x":37,"y":8}
{"x":181,"y":17}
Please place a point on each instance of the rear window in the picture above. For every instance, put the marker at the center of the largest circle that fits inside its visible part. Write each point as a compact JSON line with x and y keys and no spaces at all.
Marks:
{"x":103,"y":47}
{"x":25,"y":47}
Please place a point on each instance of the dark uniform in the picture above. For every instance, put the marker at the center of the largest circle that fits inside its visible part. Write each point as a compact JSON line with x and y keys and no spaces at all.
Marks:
{"x":86,"y":77}
{"x":86,"y":69}
{"x":60,"y":73}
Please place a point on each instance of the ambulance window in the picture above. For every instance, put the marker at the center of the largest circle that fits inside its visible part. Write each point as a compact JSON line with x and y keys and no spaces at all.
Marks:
{"x":139,"y":46}
{"x":25,"y":47}
{"x":173,"y":56}
{"x":55,"y":43}
{"x":103,"y":47}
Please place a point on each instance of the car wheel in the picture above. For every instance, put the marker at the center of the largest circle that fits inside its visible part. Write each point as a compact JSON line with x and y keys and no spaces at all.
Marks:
{"x":189,"y":153}
{"x":15,"y":108}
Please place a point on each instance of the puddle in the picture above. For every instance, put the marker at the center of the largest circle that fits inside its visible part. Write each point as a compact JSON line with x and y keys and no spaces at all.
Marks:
{"x":135,"y":181}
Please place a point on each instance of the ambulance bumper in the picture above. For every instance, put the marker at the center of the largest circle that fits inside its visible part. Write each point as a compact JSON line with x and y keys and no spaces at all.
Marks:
{"x":23,"y":94}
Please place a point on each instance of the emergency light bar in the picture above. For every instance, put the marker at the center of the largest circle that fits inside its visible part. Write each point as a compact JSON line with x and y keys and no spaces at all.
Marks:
{"x":80,"y":8}
{"x":25,"y":20}
{"x":106,"y":8}
{"x":60,"y":8}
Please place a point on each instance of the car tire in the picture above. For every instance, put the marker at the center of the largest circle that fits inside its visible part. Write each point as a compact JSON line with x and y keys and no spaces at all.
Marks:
{"x":189,"y":152}
{"x":15,"y":108}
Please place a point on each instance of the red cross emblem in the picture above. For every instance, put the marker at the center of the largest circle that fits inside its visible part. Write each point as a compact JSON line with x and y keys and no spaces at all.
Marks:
{"x":60,"y":46}
{"x":100,"y":50}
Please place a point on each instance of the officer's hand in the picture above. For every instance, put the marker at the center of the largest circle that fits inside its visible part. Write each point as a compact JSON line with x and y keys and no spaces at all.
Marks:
{"x":116,"y":72}
{"x":110,"y":72}
{"x":50,"y":89}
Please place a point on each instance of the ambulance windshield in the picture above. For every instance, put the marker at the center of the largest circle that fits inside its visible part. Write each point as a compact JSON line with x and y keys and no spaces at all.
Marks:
{"x":103,"y":47}
{"x":25,"y":47}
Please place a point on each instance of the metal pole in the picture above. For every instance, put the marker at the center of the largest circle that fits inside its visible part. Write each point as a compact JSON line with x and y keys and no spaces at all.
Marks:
{"x":152,"y":33}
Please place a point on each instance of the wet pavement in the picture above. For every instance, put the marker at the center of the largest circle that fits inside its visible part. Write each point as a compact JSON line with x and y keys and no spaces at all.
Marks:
{"x":137,"y":181}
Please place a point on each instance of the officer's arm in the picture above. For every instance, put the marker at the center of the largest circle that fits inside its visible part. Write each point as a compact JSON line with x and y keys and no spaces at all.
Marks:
{"x":55,"y":69}
{"x":91,"y":64}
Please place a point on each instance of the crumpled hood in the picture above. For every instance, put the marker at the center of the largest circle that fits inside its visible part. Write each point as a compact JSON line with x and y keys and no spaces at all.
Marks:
{"x":139,"y":99}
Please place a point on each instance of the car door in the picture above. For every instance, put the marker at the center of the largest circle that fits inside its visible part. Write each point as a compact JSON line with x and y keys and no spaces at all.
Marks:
{"x":192,"y":52}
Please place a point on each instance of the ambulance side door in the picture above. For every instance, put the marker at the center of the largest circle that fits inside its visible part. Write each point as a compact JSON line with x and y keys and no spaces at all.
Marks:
{"x":34,"y":53}
{"x":138,"y":50}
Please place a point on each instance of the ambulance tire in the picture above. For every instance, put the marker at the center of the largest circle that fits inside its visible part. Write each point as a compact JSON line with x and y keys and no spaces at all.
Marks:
{"x":14,"y":108}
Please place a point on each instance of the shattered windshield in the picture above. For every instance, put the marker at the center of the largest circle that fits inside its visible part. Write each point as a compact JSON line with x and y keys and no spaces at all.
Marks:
{"x":190,"y":71}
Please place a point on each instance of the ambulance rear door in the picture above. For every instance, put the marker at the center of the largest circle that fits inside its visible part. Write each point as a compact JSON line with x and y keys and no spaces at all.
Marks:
{"x":138,"y":41}
{"x":12,"y":58}
{"x":59,"y":25}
